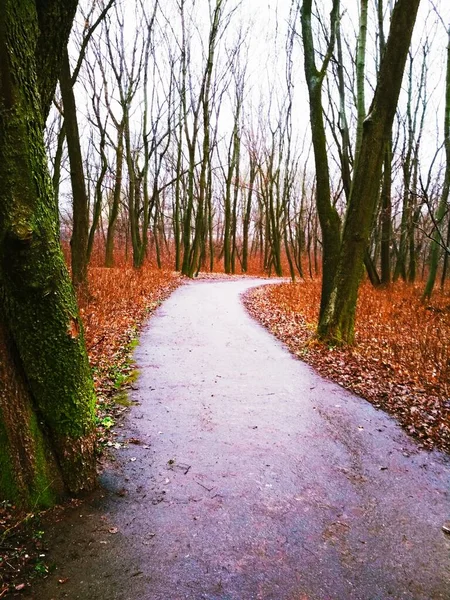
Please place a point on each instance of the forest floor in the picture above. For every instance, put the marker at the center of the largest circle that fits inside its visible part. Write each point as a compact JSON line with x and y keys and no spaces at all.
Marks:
{"x":238,"y":473}
{"x":119,"y":301}
{"x":400,"y":360}
{"x":400,"y":363}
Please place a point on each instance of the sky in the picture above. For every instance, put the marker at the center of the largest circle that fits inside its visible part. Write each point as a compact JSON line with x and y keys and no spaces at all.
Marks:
{"x":264,"y":56}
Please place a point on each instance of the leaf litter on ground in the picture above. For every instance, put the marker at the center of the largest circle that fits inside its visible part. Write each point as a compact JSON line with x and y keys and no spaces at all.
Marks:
{"x":118,"y":303}
{"x":400,"y":361}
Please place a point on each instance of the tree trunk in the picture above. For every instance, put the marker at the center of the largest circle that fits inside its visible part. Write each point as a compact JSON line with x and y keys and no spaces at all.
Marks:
{"x":247,"y":215}
{"x":80,"y":232}
{"x":114,"y":209}
{"x":46,"y":392}
{"x":386,"y":216}
{"x":360,"y":74}
{"x":446,"y":256}
{"x":328,"y":215}
{"x":177,"y":209}
{"x":442,"y":208}
{"x":386,"y":188}
{"x":337,"y":323}
{"x":98,"y":201}
{"x":27,"y":462}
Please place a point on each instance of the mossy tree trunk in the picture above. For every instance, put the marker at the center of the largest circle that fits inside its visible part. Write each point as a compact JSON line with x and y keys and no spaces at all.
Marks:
{"x":46,"y":391}
{"x":345,"y":152}
{"x":337,"y":322}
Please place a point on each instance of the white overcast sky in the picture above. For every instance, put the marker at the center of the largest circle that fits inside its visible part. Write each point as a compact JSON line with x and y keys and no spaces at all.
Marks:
{"x":267,"y":23}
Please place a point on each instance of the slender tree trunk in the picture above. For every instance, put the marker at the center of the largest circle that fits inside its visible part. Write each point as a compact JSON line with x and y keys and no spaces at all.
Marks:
{"x":177,"y":211}
{"x":386,"y":217}
{"x":415,"y":217}
{"x":343,"y":123}
{"x":328,"y":215}
{"x":360,"y":74}
{"x":210,"y":220}
{"x":443,"y":202}
{"x":446,"y":256}
{"x":386,"y":188}
{"x":231,"y":197}
{"x":56,"y":179}
{"x":237,"y":152}
{"x":80,"y":232}
{"x":98,"y":202}
{"x":247,"y":215}
{"x":114,"y":209}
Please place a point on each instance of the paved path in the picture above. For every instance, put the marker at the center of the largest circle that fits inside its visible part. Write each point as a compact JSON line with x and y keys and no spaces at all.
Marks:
{"x":254,"y":479}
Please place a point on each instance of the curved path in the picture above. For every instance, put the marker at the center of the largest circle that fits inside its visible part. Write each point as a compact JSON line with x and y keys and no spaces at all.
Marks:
{"x":254,"y":479}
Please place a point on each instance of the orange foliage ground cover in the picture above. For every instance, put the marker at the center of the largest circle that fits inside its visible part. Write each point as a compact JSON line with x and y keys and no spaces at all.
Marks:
{"x":401,"y":358}
{"x":119,"y":301}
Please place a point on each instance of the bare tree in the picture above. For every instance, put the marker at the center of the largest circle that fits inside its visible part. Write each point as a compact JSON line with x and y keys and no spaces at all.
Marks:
{"x":328,"y":216}
{"x":337,"y":322}
{"x":443,"y":203}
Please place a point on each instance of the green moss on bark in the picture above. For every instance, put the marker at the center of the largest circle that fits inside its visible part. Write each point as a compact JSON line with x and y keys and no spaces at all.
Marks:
{"x":336,"y":323}
{"x":8,"y":486}
{"x":43,"y":488}
{"x":37,"y":303}
{"x":46,"y":489}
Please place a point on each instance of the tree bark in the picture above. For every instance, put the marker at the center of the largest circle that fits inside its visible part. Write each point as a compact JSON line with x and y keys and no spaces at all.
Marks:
{"x":247,"y":214}
{"x":360,"y":74}
{"x":55,"y":18}
{"x":117,"y":192}
{"x":328,"y":215}
{"x":46,"y":392}
{"x":442,"y":208}
{"x":386,"y":216}
{"x":386,"y":187}
{"x":80,"y":231}
{"x":337,"y":322}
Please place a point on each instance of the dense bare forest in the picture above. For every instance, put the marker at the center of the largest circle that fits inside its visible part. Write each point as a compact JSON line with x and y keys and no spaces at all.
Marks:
{"x":196,"y":151}
{"x":142,"y":141}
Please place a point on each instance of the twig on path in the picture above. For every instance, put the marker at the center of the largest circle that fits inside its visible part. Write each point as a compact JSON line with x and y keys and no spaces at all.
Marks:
{"x":204,"y":487}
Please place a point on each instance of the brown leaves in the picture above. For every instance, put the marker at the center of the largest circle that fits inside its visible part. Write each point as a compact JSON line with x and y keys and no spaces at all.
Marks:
{"x":73,"y":329}
{"x":401,"y":357}
{"x":120,"y":299}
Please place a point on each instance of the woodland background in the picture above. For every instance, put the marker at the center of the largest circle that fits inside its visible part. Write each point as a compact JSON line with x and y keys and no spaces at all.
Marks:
{"x":197,"y":156}
{"x":212,"y":138}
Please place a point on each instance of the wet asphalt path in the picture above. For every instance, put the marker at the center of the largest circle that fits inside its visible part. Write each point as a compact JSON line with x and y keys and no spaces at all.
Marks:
{"x":254,"y":479}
